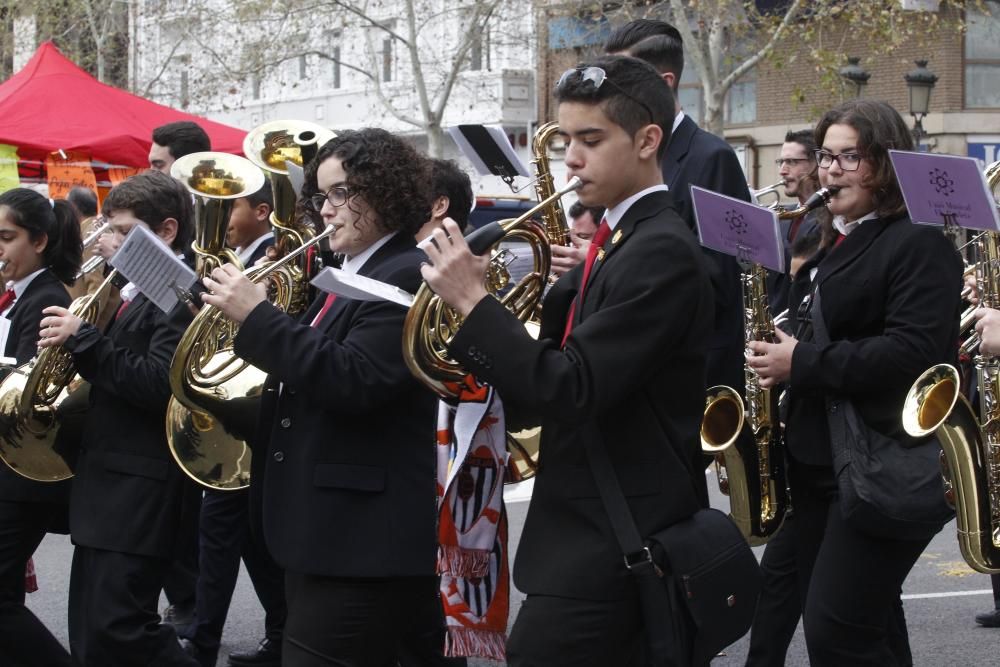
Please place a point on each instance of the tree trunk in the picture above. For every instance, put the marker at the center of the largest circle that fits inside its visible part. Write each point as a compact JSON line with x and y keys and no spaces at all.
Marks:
{"x":714,"y":118}
{"x":435,"y":140}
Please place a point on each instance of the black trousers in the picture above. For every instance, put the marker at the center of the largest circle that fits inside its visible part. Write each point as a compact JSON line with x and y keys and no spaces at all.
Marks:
{"x":181,"y":581}
{"x":24,"y":640}
{"x":225,"y":537}
{"x":113,"y":618}
{"x":346,"y":622}
{"x":851,"y":581}
{"x":779,"y":606}
{"x":551,"y":631}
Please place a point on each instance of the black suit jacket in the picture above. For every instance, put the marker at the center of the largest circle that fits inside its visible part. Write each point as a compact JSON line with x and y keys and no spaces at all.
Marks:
{"x":697,"y":157}
{"x":349,"y":481}
{"x":632,"y":376}
{"x":258,"y":253}
{"x":128,"y":493}
{"x":890,"y":296}
{"x":22,"y":344}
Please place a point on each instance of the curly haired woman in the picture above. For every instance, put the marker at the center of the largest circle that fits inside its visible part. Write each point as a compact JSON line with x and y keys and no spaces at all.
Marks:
{"x":349,"y":494}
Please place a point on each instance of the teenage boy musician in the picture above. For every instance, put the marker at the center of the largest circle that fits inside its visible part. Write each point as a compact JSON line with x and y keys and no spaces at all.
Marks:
{"x":620,"y":359}
{"x":128,"y":495}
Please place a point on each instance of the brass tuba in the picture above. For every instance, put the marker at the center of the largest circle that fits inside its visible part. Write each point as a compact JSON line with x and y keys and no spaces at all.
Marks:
{"x":431,"y":324}
{"x":752,"y":470}
{"x":30,"y":398}
{"x":216,"y":392}
{"x":970,"y":447}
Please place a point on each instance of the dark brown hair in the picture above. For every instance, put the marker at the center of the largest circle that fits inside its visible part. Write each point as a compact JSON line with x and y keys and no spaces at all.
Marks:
{"x":386,"y":171}
{"x":153,"y":197}
{"x":54,"y":219}
{"x":880,"y":128}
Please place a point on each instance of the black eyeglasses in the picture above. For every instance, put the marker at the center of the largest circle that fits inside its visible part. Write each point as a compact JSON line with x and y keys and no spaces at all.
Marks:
{"x":791,"y":161}
{"x":598,"y":77}
{"x":337,"y":196}
{"x":847,"y":161}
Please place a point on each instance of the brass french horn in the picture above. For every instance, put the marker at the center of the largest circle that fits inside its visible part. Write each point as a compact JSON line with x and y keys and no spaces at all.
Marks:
{"x":216,"y":392}
{"x":431,"y":324}
{"x":30,"y":398}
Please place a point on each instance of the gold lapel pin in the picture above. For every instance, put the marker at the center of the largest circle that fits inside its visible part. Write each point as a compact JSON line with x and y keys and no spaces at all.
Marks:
{"x":600,"y":254}
{"x":617,"y":237}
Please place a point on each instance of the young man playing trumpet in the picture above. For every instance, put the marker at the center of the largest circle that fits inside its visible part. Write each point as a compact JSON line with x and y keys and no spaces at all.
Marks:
{"x":620,"y":359}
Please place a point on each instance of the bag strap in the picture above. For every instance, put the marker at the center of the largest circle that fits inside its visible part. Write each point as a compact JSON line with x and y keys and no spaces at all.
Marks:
{"x":638,"y":559}
{"x":820,"y":333}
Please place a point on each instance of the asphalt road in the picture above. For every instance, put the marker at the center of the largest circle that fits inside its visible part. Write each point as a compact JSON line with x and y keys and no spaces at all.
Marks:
{"x":942,"y":596}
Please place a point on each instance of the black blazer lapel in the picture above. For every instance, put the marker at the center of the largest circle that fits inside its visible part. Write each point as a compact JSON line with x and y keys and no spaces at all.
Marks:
{"x":129,"y":314}
{"x":851,"y":248}
{"x":677,"y":148}
{"x":645,"y":208}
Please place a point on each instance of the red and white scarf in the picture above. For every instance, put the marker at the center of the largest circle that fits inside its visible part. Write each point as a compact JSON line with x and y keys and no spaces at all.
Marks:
{"x":472,"y":526}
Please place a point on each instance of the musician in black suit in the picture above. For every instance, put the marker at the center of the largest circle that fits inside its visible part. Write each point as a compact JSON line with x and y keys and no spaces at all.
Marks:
{"x":630,"y":374}
{"x":40,"y":248}
{"x":891,"y":306}
{"x":349,"y":488}
{"x":696,"y":157}
{"x":128,"y":494}
{"x":224,"y":528}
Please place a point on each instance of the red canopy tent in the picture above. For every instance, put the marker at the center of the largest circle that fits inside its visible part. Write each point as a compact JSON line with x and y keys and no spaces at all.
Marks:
{"x":52,"y":104}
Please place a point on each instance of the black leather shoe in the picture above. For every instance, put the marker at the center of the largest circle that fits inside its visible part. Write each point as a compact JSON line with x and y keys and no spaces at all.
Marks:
{"x":204,"y":658}
{"x":267,"y":654}
{"x":989,"y":619}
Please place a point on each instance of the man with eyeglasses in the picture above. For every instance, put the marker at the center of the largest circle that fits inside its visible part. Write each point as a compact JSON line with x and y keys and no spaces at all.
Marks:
{"x":618,"y":364}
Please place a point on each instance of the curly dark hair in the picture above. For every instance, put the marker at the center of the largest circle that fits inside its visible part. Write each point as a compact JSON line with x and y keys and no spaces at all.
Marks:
{"x":880,"y":128}
{"x":384,"y":170}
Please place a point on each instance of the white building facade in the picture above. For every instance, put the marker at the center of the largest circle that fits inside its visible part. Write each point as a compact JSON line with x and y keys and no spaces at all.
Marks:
{"x":343,"y":67}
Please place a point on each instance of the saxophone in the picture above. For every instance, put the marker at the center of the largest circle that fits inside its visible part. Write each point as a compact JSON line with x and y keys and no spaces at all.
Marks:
{"x":752,"y":469}
{"x":970,"y":447}
{"x":553,"y":217}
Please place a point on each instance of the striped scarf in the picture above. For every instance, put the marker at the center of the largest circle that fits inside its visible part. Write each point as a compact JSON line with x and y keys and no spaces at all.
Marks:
{"x":472,"y":525}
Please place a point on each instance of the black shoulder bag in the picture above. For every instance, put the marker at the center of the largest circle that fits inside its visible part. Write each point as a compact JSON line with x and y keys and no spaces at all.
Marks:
{"x":698,"y":579}
{"x":888,"y":488}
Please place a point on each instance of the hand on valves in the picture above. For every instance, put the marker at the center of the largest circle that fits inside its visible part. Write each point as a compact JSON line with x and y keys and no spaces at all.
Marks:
{"x":773,"y":361}
{"x":231,"y":292}
{"x":57,"y":326}
{"x":454,"y":273}
{"x":565,"y":258}
{"x":988,"y":328}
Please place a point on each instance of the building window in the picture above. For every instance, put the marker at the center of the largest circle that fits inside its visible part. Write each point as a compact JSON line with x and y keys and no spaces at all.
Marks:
{"x":333,"y":39}
{"x":255,"y":83}
{"x":387,"y":58}
{"x":183,"y":82}
{"x":303,"y":67}
{"x":982,"y":56}
{"x":741,"y":103}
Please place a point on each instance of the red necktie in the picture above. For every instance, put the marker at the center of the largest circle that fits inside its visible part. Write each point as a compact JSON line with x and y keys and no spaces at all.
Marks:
{"x":330,"y":298}
{"x":840,"y":239}
{"x":6,"y":299}
{"x":122,"y":308}
{"x":602,"y":234}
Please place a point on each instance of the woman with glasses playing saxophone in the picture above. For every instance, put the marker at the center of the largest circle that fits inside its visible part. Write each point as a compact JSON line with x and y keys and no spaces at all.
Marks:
{"x":40,"y":251}
{"x":876,"y":286}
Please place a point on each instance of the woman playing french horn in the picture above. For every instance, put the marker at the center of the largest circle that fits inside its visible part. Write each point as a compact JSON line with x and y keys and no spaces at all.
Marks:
{"x":40,"y":250}
{"x":888,"y":300}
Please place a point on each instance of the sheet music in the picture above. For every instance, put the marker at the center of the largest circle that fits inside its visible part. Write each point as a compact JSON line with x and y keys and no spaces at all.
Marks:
{"x":354,"y":286}
{"x":153,"y":267}
{"x":489,"y":150}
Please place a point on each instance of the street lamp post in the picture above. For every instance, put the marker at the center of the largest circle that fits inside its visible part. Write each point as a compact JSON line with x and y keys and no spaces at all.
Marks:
{"x":855,"y":75}
{"x":920,"y":82}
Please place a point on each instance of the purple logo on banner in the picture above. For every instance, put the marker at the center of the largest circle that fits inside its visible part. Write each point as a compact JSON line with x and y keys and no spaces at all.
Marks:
{"x":945,"y":189}
{"x":738,"y":228}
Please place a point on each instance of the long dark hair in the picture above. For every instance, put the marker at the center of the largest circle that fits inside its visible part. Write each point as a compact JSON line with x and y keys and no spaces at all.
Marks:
{"x":55,"y":219}
{"x":880,"y":128}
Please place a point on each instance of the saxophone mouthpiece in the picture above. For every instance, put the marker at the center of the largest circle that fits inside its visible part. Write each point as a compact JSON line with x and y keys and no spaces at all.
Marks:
{"x":821,"y":197}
